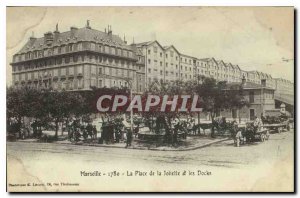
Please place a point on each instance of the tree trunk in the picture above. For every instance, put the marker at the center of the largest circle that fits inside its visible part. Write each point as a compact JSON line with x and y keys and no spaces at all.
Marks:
{"x":56,"y":129}
{"x":198,"y":123}
{"x":212,"y":126}
{"x":19,"y":126}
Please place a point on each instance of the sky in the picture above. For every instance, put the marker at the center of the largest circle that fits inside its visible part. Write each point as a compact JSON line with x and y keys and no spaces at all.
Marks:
{"x":255,"y":38}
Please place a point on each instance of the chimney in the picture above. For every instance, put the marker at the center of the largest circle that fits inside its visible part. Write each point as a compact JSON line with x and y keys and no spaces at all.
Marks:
{"x":109,"y":31}
{"x":125,"y":39}
{"x":73,"y":31}
{"x":56,"y":33}
{"x":32,"y":38}
{"x":263,"y":82}
{"x":48,"y":38}
{"x":88,"y":24}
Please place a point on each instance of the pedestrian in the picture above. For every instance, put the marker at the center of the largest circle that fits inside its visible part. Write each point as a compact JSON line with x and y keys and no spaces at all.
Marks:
{"x":129,"y":137}
{"x":127,"y":127}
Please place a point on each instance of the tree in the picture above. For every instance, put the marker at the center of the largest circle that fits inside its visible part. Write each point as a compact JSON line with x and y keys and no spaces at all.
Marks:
{"x":163,"y":119}
{"x":21,"y":103}
{"x":62,"y":105}
{"x":217,"y":96}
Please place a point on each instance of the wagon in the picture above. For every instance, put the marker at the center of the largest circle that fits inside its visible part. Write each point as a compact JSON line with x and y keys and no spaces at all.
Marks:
{"x":262,"y":135}
{"x":278,"y":127}
{"x":249,"y":134}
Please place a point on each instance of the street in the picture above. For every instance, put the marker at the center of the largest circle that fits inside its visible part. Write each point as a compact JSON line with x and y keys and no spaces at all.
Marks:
{"x":240,"y":168}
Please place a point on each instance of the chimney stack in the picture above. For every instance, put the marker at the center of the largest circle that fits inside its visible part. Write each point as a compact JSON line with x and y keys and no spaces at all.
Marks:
{"x":88,"y":24}
{"x":125,"y":39}
{"x":73,"y":30}
{"x":48,"y":38}
{"x":32,"y":38}
{"x":109,"y":31}
{"x":56,"y":32}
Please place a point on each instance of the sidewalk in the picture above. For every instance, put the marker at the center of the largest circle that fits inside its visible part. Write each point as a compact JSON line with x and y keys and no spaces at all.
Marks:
{"x":191,"y":143}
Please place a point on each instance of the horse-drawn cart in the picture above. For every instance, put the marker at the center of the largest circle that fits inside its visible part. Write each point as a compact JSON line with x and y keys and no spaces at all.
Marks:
{"x":250,"y":133}
{"x":278,"y":127}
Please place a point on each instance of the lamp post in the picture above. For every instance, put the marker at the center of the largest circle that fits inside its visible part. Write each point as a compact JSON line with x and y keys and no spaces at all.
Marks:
{"x":129,"y":81}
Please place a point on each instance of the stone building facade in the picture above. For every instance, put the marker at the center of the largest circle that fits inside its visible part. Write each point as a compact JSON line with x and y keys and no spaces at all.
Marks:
{"x":82,"y":58}
{"x":78,"y":59}
{"x":260,"y":97}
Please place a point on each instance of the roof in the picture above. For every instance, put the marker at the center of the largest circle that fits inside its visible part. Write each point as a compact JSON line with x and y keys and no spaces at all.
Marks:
{"x":187,"y":56}
{"x":229,"y":65}
{"x":149,"y":43}
{"x":220,"y":61}
{"x":204,"y":59}
{"x":247,"y":85}
{"x":81,"y":34}
{"x":171,"y":46}
{"x":237,"y":67}
{"x":144,"y":43}
{"x":136,"y":50}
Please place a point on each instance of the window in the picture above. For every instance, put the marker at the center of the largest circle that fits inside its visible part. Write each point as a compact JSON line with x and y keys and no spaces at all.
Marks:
{"x":149,"y":51}
{"x":67,"y":59}
{"x":99,"y":83}
{"x":166,"y":55}
{"x":75,"y":58}
{"x":149,"y":70}
{"x":171,"y":53}
{"x":166,"y":64}
{"x":63,"y":71}
{"x":251,"y":97}
{"x":93,"y":70}
{"x":79,"y":69}
{"x":161,"y":72}
{"x":155,"y":50}
{"x":70,"y":47}
{"x":166,"y":73}
{"x":160,"y":63}
{"x":149,"y":61}
{"x":71,"y":70}
{"x":160,"y":54}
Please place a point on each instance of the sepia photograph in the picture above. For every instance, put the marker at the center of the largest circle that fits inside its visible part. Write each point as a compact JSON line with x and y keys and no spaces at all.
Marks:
{"x":150,"y":99}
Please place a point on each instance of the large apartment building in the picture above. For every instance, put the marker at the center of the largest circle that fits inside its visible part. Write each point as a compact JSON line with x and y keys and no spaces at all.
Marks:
{"x":78,"y":59}
{"x":83,"y":58}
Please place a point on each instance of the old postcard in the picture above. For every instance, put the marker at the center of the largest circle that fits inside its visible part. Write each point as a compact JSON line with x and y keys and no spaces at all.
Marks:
{"x":150,"y":99}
